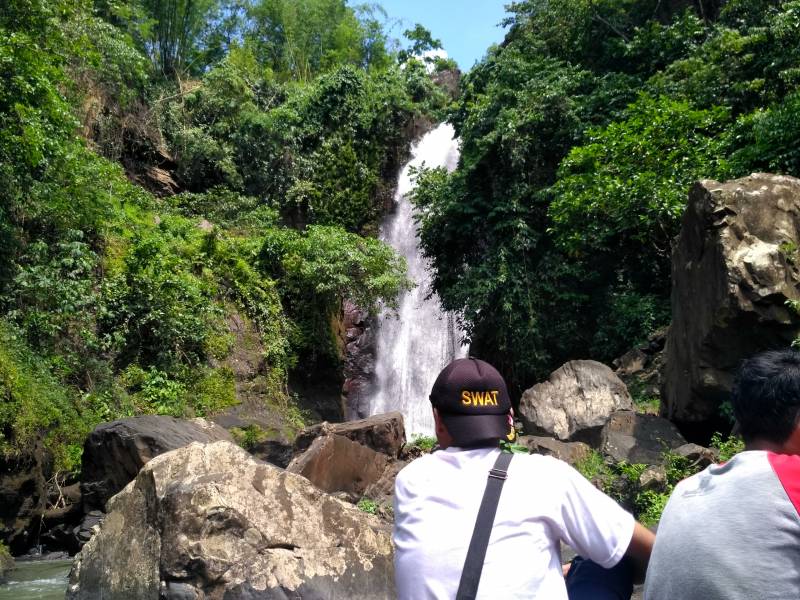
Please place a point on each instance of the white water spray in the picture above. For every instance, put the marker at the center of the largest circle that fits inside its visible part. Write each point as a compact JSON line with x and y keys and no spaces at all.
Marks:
{"x":412,"y":348}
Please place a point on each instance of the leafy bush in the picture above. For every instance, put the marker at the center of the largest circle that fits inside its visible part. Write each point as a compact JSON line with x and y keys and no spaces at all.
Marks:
{"x":425,"y":443}
{"x":160,"y":309}
{"x":368,"y":506}
{"x":728,"y":447}
{"x":248,"y":437}
{"x":34,"y":402}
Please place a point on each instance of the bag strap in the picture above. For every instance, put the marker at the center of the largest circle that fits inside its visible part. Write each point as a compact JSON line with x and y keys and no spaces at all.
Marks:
{"x":473,"y":565}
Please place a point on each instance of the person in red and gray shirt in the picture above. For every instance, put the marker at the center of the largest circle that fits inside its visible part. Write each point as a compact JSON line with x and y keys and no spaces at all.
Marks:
{"x":732,"y":532}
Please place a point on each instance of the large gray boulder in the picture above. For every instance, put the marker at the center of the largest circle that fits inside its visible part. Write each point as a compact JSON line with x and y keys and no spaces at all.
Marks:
{"x":636,"y":438}
{"x":734,"y":268}
{"x":115,"y":452}
{"x":210,"y":521}
{"x":575,"y":402}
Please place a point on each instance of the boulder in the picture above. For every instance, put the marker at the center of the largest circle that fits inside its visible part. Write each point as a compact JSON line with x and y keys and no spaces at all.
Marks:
{"x":698,"y":455}
{"x":637,"y":438}
{"x":23,"y":496}
{"x":734,"y":267}
{"x":115,"y":452}
{"x":335,"y":463}
{"x":210,"y":521}
{"x":575,"y":402}
{"x":383,"y":433}
{"x":382,"y":490}
{"x":569,"y":452}
{"x":654,"y":478}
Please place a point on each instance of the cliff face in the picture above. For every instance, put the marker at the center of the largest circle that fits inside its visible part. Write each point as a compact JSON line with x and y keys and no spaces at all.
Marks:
{"x":734,"y":276}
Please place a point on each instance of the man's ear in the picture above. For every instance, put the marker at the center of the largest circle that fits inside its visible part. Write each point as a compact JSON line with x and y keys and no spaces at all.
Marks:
{"x":443,"y":436}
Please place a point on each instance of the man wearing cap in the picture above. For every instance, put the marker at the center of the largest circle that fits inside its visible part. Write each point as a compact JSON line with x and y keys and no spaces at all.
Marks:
{"x":542,"y":502}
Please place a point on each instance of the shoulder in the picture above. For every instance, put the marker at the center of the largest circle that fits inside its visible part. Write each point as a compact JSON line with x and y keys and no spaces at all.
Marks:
{"x":417,"y":470}
{"x":543,"y":464}
{"x":787,"y":469}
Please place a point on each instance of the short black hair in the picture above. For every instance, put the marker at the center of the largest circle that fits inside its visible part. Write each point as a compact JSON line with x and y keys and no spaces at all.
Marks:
{"x":766,"y":396}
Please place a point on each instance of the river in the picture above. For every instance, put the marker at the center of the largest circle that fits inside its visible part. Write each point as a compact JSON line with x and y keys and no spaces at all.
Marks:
{"x":37,"y":579}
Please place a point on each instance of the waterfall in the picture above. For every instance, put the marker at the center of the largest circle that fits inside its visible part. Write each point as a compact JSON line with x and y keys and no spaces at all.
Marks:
{"x":412,"y":347}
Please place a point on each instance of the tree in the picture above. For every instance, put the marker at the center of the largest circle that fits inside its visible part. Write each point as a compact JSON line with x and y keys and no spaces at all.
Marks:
{"x":299,"y":39}
{"x":422,"y":41}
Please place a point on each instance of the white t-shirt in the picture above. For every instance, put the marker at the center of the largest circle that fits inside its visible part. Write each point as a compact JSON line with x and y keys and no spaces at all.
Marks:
{"x":544,"y":501}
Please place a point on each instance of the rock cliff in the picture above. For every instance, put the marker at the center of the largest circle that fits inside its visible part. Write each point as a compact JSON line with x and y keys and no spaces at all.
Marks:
{"x":734,"y":274}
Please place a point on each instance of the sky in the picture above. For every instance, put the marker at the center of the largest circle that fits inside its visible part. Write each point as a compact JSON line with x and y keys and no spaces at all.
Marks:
{"x":465,"y":27}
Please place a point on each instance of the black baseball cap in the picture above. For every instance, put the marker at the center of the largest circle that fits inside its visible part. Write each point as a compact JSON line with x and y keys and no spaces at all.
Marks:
{"x":472,"y":400}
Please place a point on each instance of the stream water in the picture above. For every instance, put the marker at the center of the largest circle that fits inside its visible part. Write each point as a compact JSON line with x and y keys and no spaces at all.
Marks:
{"x":39,"y":580}
{"x":413,"y":346}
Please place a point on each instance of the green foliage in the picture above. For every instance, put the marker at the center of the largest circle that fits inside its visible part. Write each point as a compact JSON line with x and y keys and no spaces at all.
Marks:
{"x":300,"y":39}
{"x":248,"y":437}
{"x":728,"y":447}
{"x":318,"y":269}
{"x":593,"y":466}
{"x":581,"y":134}
{"x":114,"y":302}
{"x":626,"y":187}
{"x":422,"y":42}
{"x":426,"y":443}
{"x":368,"y":506}
{"x":160,"y":310}
{"x":33,"y":402}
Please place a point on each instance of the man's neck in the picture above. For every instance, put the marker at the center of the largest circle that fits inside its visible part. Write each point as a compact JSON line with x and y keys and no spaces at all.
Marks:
{"x":769,"y":446}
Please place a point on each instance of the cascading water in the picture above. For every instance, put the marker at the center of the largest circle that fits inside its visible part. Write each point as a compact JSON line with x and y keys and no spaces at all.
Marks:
{"x":412,"y":347}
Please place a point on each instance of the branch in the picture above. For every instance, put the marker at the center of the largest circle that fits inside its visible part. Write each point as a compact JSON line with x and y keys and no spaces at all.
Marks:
{"x":597,"y":17}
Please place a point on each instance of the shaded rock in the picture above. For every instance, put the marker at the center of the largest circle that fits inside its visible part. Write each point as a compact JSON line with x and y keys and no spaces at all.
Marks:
{"x":575,"y":402}
{"x":382,"y":490}
{"x":23,"y":496}
{"x":642,"y":371}
{"x":734,"y":267}
{"x":698,"y":455}
{"x":569,"y":452}
{"x":335,"y":463}
{"x":383,"y":433}
{"x":637,"y":438}
{"x":449,"y":80}
{"x":357,"y":343}
{"x":212,"y":520}
{"x":273,"y":452}
{"x":654,"y":478}
{"x":115,"y":452}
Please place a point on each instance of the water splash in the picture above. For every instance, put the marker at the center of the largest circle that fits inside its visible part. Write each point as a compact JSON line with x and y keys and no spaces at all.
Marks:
{"x":412,"y":348}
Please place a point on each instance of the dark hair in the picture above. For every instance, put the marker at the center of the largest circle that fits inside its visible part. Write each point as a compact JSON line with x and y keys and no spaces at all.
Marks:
{"x":766,"y":396}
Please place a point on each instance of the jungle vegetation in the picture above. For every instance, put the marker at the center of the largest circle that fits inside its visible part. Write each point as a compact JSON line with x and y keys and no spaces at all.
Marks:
{"x":183,"y":179}
{"x":581,"y":134}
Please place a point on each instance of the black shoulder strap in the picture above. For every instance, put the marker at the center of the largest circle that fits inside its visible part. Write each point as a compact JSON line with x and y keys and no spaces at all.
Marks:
{"x":473,"y":565}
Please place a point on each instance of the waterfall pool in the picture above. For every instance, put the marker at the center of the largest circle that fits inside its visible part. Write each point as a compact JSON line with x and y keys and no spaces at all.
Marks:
{"x":37,"y":580}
